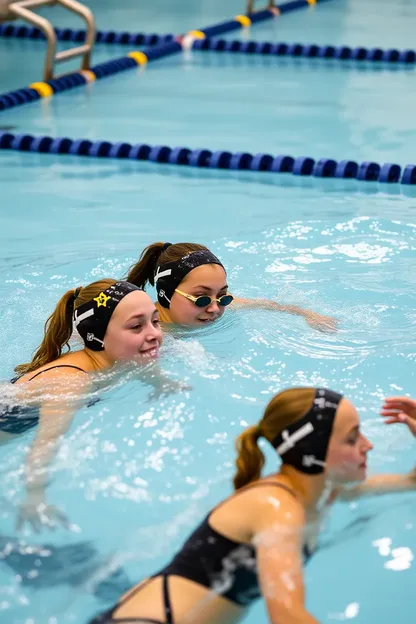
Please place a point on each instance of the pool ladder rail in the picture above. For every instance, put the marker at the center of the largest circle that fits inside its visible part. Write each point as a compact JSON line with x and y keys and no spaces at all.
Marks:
{"x":23,"y":9}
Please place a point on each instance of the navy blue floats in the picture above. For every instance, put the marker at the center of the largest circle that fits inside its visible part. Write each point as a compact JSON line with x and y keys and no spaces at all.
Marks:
{"x":15,"y":98}
{"x":409,"y":175}
{"x":78,"y":35}
{"x":299,"y":50}
{"x":221,"y":159}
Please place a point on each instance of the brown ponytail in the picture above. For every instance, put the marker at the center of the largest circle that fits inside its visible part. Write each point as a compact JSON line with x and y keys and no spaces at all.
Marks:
{"x":283,"y":410}
{"x":250,"y":460}
{"x":58,"y":327}
{"x":143,"y":272}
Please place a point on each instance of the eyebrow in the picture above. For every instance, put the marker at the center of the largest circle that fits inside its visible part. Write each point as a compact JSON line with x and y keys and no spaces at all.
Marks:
{"x":140,"y":317}
{"x":209,"y":289}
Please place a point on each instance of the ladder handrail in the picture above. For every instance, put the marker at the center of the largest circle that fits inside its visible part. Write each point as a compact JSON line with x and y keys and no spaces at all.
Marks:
{"x":23,"y":9}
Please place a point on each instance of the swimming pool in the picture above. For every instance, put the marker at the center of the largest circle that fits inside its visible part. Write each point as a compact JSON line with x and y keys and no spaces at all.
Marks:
{"x":141,"y":467}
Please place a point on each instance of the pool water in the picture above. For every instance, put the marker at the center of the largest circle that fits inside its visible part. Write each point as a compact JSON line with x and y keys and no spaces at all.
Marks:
{"x":138,"y":471}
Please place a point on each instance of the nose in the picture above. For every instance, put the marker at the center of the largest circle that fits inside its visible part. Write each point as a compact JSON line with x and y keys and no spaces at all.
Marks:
{"x":213,"y":307}
{"x":154,"y":333}
{"x":367,"y":446}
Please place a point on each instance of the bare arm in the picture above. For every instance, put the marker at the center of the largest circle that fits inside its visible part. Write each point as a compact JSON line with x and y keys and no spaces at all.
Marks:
{"x":381,"y":484}
{"x":395,"y":410}
{"x":314,"y":319}
{"x":64,"y":396}
{"x":162,"y":385}
{"x":279,"y":542}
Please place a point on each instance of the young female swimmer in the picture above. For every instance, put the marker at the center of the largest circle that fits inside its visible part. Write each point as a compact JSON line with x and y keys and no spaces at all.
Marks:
{"x":192,"y":289}
{"x":233,"y":557}
{"x":118,"y":322}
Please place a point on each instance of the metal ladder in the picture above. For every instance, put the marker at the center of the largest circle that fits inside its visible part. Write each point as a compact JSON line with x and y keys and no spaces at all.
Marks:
{"x":23,"y":9}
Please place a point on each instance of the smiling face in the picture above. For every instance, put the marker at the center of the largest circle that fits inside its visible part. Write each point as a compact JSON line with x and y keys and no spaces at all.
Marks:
{"x":207,"y":279}
{"x":133,"y":332}
{"x":346,"y":460}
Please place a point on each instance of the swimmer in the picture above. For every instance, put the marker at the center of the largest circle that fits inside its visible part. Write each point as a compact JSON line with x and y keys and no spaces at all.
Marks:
{"x":250,"y":6}
{"x":192,"y":289}
{"x":117,"y":322}
{"x":235,"y":557}
{"x":4,"y":10}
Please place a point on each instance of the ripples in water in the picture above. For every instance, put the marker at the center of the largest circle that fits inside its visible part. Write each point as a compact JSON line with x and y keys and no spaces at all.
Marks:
{"x":148,"y":464}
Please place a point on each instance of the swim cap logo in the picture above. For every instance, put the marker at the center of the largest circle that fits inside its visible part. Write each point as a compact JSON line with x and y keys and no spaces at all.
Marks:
{"x":310,"y":460}
{"x":102,"y":300}
{"x":90,"y":337}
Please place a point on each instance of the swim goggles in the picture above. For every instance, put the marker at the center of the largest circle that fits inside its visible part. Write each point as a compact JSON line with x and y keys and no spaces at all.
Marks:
{"x":204,"y":301}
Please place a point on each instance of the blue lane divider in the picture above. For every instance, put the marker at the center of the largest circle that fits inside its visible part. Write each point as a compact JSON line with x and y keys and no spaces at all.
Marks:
{"x":151,"y":53}
{"x":253,"y":18}
{"x":71,"y":34}
{"x":220,"y":159}
{"x":300,"y":50}
{"x":101,"y":70}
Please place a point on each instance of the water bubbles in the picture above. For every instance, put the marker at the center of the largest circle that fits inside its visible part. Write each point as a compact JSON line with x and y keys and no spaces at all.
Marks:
{"x":351,"y":611}
{"x":402,"y":557}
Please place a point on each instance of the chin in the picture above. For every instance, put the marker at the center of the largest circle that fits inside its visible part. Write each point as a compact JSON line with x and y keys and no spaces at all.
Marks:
{"x":358,"y":475}
{"x":362,"y":474}
{"x":151,"y":354}
{"x":352,"y":476}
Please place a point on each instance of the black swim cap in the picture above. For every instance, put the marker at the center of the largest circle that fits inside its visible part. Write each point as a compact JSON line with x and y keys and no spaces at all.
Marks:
{"x":304,"y":444}
{"x":168,"y":276}
{"x":92,"y":318}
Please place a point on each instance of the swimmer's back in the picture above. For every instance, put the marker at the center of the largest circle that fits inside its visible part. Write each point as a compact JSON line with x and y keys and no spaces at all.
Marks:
{"x":217,"y":556}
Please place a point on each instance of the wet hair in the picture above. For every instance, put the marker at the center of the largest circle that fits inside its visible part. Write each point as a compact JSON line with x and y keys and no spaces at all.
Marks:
{"x":143,"y":272}
{"x":284,"y":409}
{"x":59,"y":326}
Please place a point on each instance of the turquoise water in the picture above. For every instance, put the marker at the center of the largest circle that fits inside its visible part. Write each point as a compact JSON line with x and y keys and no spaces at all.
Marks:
{"x":137,"y":472}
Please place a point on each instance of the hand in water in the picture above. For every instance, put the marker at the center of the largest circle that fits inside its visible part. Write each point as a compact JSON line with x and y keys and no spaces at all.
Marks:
{"x":400,"y":410}
{"x":322,"y":323}
{"x":169,"y":386}
{"x":39,"y":515}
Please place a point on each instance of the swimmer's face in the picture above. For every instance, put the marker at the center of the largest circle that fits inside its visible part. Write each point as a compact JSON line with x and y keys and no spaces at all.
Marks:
{"x":208,"y":279}
{"x":133,"y":332}
{"x":346,"y":460}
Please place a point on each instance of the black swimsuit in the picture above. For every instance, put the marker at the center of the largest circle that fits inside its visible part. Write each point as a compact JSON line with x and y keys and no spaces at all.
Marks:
{"x":16,"y":419}
{"x":212,"y":560}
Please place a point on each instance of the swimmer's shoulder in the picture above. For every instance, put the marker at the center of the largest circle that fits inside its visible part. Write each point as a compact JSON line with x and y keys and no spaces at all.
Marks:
{"x":270,"y":500}
{"x":71,"y":367}
{"x":276,"y":505}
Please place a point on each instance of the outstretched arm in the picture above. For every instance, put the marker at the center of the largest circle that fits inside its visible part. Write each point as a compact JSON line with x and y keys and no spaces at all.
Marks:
{"x":395,"y":410}
{"x":314,"y":319}
{"x":381,"y":484}
{"x":162,"y":385}
{"x":64,"y":397}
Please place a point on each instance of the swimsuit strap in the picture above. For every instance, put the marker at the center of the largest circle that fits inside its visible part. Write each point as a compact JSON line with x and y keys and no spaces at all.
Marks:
{"x":166,"y":600}
{"x":58,"y":366}
{"x":251,"y":486}
{"x":273,"y":483}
